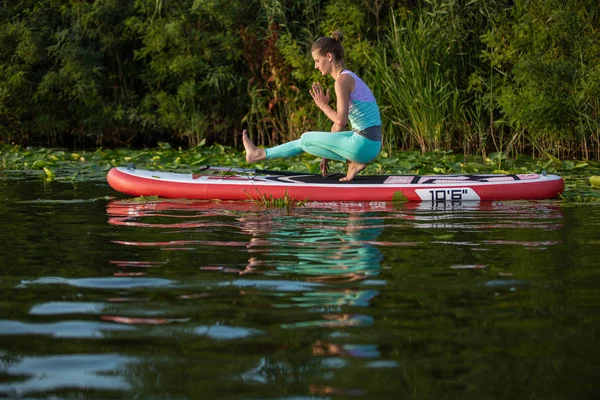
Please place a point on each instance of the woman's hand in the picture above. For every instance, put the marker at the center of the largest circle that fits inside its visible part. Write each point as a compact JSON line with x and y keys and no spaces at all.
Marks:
{"x":324,"y":167}
{"x":321,"y":98}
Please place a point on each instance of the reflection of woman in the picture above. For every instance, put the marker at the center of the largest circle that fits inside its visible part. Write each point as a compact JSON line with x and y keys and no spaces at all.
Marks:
{"x":324,"y":251}
{"x":329,"y":252}
{"x":355,"y":102}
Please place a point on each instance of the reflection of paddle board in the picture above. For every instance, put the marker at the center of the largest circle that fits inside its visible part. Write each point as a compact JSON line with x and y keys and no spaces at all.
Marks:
{"x":246,"y":184}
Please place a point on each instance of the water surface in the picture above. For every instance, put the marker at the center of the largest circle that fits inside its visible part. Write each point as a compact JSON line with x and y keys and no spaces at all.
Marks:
{"x":105,"y":297}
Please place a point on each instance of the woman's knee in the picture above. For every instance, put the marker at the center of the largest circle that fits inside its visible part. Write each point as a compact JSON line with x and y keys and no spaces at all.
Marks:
{"x":308,"y":137}
{"x":310,"y":140}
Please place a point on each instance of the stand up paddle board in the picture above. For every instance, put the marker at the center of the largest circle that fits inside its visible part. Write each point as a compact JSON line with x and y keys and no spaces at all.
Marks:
{"x":244,"y":184}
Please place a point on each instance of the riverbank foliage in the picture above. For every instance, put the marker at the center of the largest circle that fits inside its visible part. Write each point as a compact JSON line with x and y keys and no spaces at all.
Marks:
{"x":476,"y":77}
{"x":63,"y":165}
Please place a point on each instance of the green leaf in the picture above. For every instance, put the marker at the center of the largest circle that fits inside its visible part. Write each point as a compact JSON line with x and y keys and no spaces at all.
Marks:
{"x":568,"y":165}
{"x":551,"y":157}
{"x":475,"y":166}
{"x":457,"y":167}
{"x":405,"y":165}
{"x":399,"y":197}
{"x":49,"y":174}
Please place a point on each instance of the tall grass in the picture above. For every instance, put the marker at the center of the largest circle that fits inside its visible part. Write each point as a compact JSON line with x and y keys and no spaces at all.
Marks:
{"x":280,"y":107}
{"x":416,"y":94}
{"x":588,"y":115}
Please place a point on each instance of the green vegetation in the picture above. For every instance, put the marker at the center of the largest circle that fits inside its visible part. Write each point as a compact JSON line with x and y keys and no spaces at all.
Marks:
{"x":60,"y":164}
{"x":464,"y":86}
{"x":285,"y":202}
{"x":476,"y":77}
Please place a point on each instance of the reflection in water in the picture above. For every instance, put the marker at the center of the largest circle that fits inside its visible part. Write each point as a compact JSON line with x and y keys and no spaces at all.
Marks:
{"x":335,"y":251}
{"x":331,"y":250}
{"x":191,"y":299}
{"x":104,"y":372}
{"x":335,"y":255}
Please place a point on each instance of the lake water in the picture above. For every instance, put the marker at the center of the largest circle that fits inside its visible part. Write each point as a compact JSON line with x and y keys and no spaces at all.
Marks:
{"x":104,"y":297}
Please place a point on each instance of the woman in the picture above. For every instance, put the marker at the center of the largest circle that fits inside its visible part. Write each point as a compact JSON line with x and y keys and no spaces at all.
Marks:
{"x":355,"y":103}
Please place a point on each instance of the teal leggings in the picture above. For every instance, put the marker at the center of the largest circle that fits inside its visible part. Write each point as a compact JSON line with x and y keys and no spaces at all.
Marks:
{"x":340,"y":146}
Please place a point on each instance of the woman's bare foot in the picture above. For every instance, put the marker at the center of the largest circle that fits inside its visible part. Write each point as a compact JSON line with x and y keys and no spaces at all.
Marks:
{"x":253,"y":153}
{"x":353,"y":169}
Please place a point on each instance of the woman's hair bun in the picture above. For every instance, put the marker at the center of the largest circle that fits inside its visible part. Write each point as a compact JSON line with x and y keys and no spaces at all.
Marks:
{"x":338,"y":36}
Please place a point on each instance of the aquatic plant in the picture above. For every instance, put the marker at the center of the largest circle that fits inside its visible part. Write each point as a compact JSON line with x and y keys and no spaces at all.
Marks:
{"x":63,"y":165}
{"x":285,"y":202}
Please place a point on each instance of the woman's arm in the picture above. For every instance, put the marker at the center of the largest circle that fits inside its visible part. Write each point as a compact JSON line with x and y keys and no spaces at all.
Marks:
{"x":339,"y":117}
{"x":343,"y":87}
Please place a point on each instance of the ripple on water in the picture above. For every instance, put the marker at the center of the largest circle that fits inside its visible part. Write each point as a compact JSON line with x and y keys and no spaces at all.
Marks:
{"x":329,"y":300}
{"x":77,"y":371}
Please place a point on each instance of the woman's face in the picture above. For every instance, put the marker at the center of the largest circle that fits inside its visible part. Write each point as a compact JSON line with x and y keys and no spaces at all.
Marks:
{"x":322,"y":63}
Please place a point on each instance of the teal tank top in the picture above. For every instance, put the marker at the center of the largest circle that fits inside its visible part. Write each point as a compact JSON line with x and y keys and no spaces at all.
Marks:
{"x":364,"y":113}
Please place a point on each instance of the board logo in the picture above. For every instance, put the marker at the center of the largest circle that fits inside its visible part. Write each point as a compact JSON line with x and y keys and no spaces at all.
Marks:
{"x":443,"y":195}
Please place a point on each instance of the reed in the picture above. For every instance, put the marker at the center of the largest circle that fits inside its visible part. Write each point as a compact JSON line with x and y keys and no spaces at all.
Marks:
{"x":416,"y":95}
